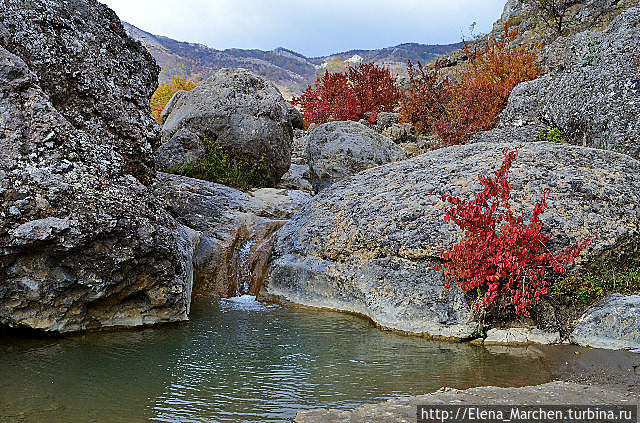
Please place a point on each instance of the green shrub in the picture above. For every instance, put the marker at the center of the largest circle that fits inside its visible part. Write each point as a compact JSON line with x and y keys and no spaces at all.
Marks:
{"x":217,"y":166}
{"x":552,"y":135}
{"x":588,"y":287}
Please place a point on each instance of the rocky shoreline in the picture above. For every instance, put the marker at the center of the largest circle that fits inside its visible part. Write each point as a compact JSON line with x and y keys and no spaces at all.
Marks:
{"x":582,"y":376}
{"x":404,"y":409}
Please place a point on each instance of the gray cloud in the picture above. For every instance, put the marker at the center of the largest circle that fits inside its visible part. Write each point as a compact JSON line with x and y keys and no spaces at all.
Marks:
{"x":313,"y":28}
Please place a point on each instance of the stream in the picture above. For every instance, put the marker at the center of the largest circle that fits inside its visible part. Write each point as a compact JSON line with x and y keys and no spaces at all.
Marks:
{"x":238,"y":360}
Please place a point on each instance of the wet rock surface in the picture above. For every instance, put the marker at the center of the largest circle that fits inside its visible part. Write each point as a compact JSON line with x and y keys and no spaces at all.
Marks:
{"x":83,"y":243}
{"x":520,"y":336}
{"x":240,"y":113}
{"x":233,"y":229}
{"x":613,"y":323}
{"x":337,"y":150}
{"x":367,"y":243}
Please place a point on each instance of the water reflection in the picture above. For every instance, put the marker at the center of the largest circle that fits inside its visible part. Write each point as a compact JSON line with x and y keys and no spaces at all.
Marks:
{"x":238,"y":361}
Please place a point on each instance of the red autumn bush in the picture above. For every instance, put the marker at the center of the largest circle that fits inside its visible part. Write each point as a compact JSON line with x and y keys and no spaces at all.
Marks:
{"x":457,"y":109}
{"x":427,"y":97}
{"x":505,"y":259}
{"x":349,"y":95}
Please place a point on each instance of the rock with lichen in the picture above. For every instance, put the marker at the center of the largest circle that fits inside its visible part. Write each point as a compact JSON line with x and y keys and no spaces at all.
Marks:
{"x":368,"y":243}
{"x":84,"y":244}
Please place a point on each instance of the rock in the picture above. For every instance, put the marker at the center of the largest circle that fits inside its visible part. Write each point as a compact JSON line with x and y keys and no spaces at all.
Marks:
{"x":97,"y":77}
{"x":385,"y":120}
{"x":234,"y":229}
{"x":367,"y":244}
{"x":40,"y":230}
{"x":89,"y":246}
{"x":299,"y":151}
{"x":168,"y":108}
{"x":337,"y":150}
{"x":183,"y":147}
{"x":299,"y":133}
{"x":295,"y":117}
{"x":594,"y":99}
{"x":404,"y":409}
{"x":613,"y":323}
{"x":297,"y":177}
{"x":243,"y":114}
{"x":512,"y":134}
{"x":521,"y":336}
{"x":400,"y":133}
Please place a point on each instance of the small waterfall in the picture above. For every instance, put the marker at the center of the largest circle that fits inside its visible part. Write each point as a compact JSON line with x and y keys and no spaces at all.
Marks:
{"x":236,"y":266}
{"x":244,"y":268}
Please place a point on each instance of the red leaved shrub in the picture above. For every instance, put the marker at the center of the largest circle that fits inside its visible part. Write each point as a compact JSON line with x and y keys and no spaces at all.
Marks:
{"x":457,"y":109}
{"x":348,"y":95}
{"x":424,"y":103}
{"x":505,"y":259}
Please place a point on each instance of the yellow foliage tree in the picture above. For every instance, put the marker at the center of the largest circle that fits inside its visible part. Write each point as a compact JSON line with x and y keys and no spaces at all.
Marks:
{"x":163,"y":94}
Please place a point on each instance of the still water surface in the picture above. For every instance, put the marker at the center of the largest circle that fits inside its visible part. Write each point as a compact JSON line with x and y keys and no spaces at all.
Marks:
{"x":237,"y":361}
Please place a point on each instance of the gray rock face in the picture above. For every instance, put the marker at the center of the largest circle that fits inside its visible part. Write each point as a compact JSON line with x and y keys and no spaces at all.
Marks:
{"x":243,"y":114}
{"x":594,"y":99}
{"x":297,"y":177}
{"x":385,"y":120}
{"x":94,"y":74}
{"x":613,"y":323}
{"x":521,"y":336}
{"x":168,"y":108}
{"x":337,"y":150}
{"x":299,"y":150}
{"x":400,"y":133}
{"x":233,"y":229}
{"x":83,"y":244}
{"x":511,"y":134}
{"x":183,"y":147}
{"x":367,"y":244}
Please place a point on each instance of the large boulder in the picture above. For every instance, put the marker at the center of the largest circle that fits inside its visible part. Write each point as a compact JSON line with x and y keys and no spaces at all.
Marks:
{"x":337,"y":150}
{"x":242,"y":114}
{"x":83,"y":244}
{"x":94,"y":74}
{"x":367,"y":243}
{"x":613,"y":323}
{"x":594,"y":97}
{"x":233,"y":230}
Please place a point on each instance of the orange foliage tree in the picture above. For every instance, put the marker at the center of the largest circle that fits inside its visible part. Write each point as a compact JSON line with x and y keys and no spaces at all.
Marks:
{"x":163,"y":94}
{"x":457,"y":109}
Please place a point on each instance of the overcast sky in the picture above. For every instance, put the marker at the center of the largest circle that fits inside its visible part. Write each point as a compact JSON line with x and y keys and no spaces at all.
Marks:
{"x":310,"y":27}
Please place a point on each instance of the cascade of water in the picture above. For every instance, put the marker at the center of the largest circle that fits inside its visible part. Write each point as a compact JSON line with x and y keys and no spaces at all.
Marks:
{"x":244,"y":269}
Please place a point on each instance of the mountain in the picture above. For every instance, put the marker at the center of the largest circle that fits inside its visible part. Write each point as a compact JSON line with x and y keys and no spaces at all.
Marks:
{"x":290,"y":71}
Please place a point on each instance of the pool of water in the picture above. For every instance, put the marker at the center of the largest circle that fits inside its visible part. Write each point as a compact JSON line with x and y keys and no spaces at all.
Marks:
{"x":237,"y":361}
